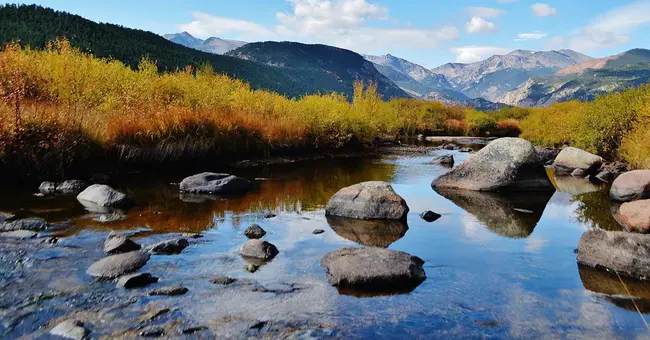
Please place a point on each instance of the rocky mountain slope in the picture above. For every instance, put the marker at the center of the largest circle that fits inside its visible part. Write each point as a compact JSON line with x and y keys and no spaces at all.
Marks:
{"x":211,"y":45}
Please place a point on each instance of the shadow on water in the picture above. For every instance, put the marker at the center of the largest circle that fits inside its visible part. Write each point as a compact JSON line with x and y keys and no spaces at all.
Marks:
{"x":373,"y":233}
{"x":369,"y":293}
{"x":513,"y":215}
{"x":623,"y":292}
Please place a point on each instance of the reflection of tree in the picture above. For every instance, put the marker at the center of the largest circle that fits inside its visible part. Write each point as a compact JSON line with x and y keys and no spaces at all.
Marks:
{"x":595,"y":209}
{"x":610,"y":284}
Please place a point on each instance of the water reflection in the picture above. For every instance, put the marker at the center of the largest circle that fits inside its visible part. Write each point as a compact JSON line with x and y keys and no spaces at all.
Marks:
{"x":621,"y":291}
{"x":596,"y":209}
{"x":374,"y":233}
{"x":513,"y":215}
{"x":574,"y":186}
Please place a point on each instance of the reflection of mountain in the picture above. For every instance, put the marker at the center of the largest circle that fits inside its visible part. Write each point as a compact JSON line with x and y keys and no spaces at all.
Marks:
{"x":374,"y":233}
{"x":609,"y":284}
{"x":512,"y":215}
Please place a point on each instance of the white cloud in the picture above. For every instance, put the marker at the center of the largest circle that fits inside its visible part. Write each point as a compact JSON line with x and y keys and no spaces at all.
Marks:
{"x":470,"y":54}
{"x":591,"y":38}
{"x":485,"y":12}
{"x":555,"y":43}
{"x":506,"y":1}
{"x":625,"y":18}
{"x":530,"y":36}
{"x":342,"y":23}
{"x":543,"y":10}
{"x":480,"y":25}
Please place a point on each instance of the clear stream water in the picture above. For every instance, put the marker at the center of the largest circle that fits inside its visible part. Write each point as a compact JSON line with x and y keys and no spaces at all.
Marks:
{"x":497,"y":266}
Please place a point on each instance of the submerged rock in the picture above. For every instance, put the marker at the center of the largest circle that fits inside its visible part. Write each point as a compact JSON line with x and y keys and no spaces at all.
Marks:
{"x":114,"y":266}
{"x":215,"y":184}
{"x":169,"y":247}
{"x":571,"y":158}
{"x":626,"y":253}
{"x":223,"y":280}
{"x":506,"y":164}
{"x":19,"y":234}
{"x":136,"y":280}
{"x":373,"y":268}
{"x":117,"y":243}
{"x":635,"y":216}
{"x":103,"y":196}
{"x":70,"y":329}
{"x":318,"y":231}
{"x":430,"y":216}
{"x":47,"y":188}
{"x":254,"y":231}
{"x":373,"y":233}
{"x":368,"y":201}
{"x":31,"y":224}
{"x":631,"y":186}
{"x":258,"y":249}
{"x":169,"y":291}
{"x":445,"y":160}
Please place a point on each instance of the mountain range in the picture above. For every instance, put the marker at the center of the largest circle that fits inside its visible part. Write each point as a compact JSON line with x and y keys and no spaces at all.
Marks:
{"x":211,"y":45}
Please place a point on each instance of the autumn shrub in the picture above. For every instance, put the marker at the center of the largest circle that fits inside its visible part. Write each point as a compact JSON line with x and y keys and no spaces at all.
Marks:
{"x":455,"y":127}
{"x":507,"y":128}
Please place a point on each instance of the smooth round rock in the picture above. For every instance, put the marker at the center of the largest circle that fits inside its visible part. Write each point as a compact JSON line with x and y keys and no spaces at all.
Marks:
{"x":104,"y":196}
{"x":635,"y":216}
{"x":216,"y":184}
{"x":169,"y":291}
{"x":136,"y":280}
{"x":506,"y":164}
{"x":117,"y":243}
{"x":254,"y":231}
{"x":70,"y":329}
{"x":445,"y":160}
{"x":169,"y":247}
{"x":373,"y":268}
{"x":114,"y":266}
{"x":71,"y":186}
{"x":571,"y":158}
{"x":631,"y":186}
{"x":368,"y":201}
{"x":259,"y":249}
{"x":430,"y":216}
{"x":626,"y":253}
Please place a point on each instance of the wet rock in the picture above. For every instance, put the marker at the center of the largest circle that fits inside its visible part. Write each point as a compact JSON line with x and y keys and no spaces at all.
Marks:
{"x":223,"y":280}
{"x":269,"y":214}
{"x":254,"y":231}
{"x":465,"y":150}
{"x":72,"y":186}
{"x":136,"y":280}
{"x":373,"y":268}
{"x":631,"y":186}
{"x":192,"y":235}
{"x":635,"y":216}
{"x":605,"y":176}
{"x":571,"y":158}
{"x":430,"y":216}
{"x":215,"y":184}
{"x":368,"y":201}
{"x":251,"y":268}
{"x":258,"y":249}
{"x":117,"y":243}
{"x":114,"y":266}
{"x":449,"y":146}
{"x":31,"y":224}
{"x":169,"y":291}
{"x":100,"y":195}
{"x":111,"y":217}
{"x":152,"y":332}
{"x":70,"y":329}
{"x":502,"y":213}
{"x":373,"y":233}
{"x":47,"y":188}
{"x":19,"y":234}
{"x":169,"y":247}
{"x":446,"y":160}
{"x":546,"y":155}
{"x":626,"y":253}
{"x":318,"y":231}
{"x":578,"y":173}
{"x":506,"y":164}
{"x":276,"y":288}
{"x":6,"y":217}
{"x":194,"y":329}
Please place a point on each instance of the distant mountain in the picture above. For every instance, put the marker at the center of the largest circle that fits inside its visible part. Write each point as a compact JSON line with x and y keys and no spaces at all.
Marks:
{"x":477,"y":103}
{"x":584,"y":81}
{"x":211,"y":45}
{"x":492,"y":78}
{"x":331,"y":68}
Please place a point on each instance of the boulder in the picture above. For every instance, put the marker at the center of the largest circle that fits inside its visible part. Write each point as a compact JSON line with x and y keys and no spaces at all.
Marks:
{"x":169,"y":291}
{"x":368,"y":201}
{"x":373,"y":269}
{"x":546,"y":155}
{"x":117,"y":243}
{"x":215,"y":184}
{"x":429,"y":216}
{"x":605,"y":176}
{"x":635,"y":216}
{"x":625,"y":253}
{"x":114,"y":266}
{"x":136,"y":280}
{"x":72,"y":186}
{"x":631,"y":186}
{"x":258,"y":249}
{"x":449,"y":146}
{"x":47,"y":188}
{"x":101,"y":195}
{"x":19,"y":234}
{"x":578,"y":173}
{"x":169,"y":247}
{"x":506,"y":164}
{"x":571,"y":158}
{"x":223,"y":280}
{"x":70,"y":329}
{"x":254,"y":231}
{"x":372,"y":233}
{"x":445,"y":160}
{"x":31,"y":224}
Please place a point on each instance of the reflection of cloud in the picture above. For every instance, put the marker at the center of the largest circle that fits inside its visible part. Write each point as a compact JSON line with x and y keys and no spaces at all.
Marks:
{"x":474,"y":230}
{"x":535,"y":244}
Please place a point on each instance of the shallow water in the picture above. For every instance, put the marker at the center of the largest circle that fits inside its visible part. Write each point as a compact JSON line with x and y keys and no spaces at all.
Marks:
{"x":497,"y":266}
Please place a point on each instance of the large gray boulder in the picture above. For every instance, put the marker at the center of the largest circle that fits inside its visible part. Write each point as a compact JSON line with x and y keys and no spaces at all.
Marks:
{"x":373,"y":269}
{"x":215,"y":184}
{"x":631,"y":186}
{"x":571,"y":158}
{"x":31,"y":224}
{"x":258,"y":249}
{"x":114,"y":266}
{"x":70,"y":329}
{"x":506,"y":164}
{"x":625,"y":253}
{"x":71,"y":186}
{"x":117,"y":243}
{"x":368,"y":201}
{"x":100,"y":195}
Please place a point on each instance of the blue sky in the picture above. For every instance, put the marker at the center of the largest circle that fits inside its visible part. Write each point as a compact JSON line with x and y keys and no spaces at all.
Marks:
{"x":429,"y":32}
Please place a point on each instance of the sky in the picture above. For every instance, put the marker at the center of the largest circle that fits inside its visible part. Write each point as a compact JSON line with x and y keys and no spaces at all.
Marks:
{"x":428,"y":32}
